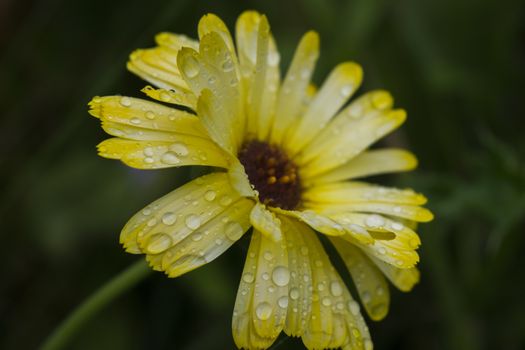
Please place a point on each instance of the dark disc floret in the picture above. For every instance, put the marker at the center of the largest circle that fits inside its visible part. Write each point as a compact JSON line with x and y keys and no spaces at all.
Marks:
{"x":272,"y":173}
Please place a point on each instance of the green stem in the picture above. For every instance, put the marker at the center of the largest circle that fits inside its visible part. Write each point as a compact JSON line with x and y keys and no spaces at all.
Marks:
{"x":85,"y":311}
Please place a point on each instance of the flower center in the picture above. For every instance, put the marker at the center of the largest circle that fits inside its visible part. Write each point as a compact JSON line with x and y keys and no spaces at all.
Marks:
{"x":272,"y":174}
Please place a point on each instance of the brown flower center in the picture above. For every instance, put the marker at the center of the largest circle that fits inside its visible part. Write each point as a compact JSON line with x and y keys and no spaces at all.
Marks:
{"x":272,"y":174}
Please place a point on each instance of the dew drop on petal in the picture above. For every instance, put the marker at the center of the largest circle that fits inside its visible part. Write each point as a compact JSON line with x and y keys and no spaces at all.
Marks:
{"x":353,"y":306}
{"x":193,"y":221}
{"x":346,"y":90}
{"x":190,"y":67}
{"x":336,"y":289}
{"x":233,"y":230}
{"x":179,"y":148}
{"x":150,"y":115}
{"x":326,"y":301}
{"x":135,"y":120}
{"x":248,"y":277}
{"x":225,"y":200}
{"x":294,"y":293}
{"x":281,"y":276}
{"x":397,"y":226}
{"x":210,"y":195}
{"x":158,"y":243}
{"x":283,"y":302}
{"x":169,"y":218}
{"x":197,"y":236}
{"x":125,"y":101}
{"x":374,"y":220}
{"x":263,"y":311}
{"x":170,"y":158}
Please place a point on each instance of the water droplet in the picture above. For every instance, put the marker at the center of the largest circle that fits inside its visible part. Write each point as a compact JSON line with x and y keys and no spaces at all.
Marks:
{"x":170,"y":158}
{"x":164,"y":96}
{"x":225,"y":200}
{"x":336,"y":289}
{"x":125,"y":101}
{"x":210,"y":195}
{"x":326,"y":301}
{"x":135,"y":120}
{"x":304,"y":250}
{"x":294,"y":293}
{"x":146,"y":211}
{"x":193,"y":221}
{"x":374,"y":220}
{"x":212,"y":79}
{"x":150,"y":115}
{"x":158,"y":243}
{"x":283,"y":302}
{"x":148,"y":152}
{"x":273,"y":58}
{"x":381,"y":250}
{"x":397,"y":226}
{"x":149,"y":160}
{"x":281,"y":276}
{"x":366,"y":297}
{"x":190,"y":66}
{"x":263,"y":311}
{"x":179,"y":148}
{"x":248,"y":277}
{"x":152,"y":222}
{"x":227,"y":65}
{"x":378,"y":309}
{"x":320,"y":286}
{"x":340,"y":305}
{"x":169,"y":218}
{"x":346,"y":90}
{"x":353,"y":306}
{"x":268,"y":255}
{"x":218,"y":241}
{"x":197,"y":236}
{"x":233,"y":230}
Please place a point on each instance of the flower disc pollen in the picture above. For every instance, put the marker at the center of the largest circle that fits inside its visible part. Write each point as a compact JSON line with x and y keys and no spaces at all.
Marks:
{"x":272,"y":173}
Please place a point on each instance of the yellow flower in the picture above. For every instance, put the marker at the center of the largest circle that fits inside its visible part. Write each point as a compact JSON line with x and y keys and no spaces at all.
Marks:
{"x":286,"y":158}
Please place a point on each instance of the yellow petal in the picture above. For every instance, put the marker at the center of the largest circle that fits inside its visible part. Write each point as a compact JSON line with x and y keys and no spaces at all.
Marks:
{"x":299,"y":295}
{"x":383,"y":227}
{"x":183,"y":150}
{"x":373,"y":162}
{"x":318,"y":222}
{"x":406,"y":211}
{"x":262,"y":299}
{"x":209,"y":241}
{"x":334,"y":320}
{"x":139,"y":113}
{"x":335,"y":92}
{"x":170,"y":219}
{"x":403,"y":279}
{"x":354,"y":129}
{"x":351,"y":191}
{"x":176,"y":41}
{"x":293,"y":90}
{"x":210,"y":23}
{"x":157,"y":66}
{"x":219,"y":104}
{"x":368,"y":279}
{"x":259,"y":62}
{"x":266,"y":222}
{"x":176,"y":97}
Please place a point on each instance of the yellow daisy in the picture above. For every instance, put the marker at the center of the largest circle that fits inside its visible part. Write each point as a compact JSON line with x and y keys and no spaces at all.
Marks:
{"x":286,"y":159}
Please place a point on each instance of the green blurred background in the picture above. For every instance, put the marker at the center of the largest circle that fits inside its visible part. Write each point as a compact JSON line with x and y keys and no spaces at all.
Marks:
{"x":458,"y":67}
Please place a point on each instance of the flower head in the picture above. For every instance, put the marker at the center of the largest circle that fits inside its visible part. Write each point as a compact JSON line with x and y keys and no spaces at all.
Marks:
{"x":287,"y":157}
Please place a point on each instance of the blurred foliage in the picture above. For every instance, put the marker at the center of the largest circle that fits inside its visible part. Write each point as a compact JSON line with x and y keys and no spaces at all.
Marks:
{"x":458,"y":67}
